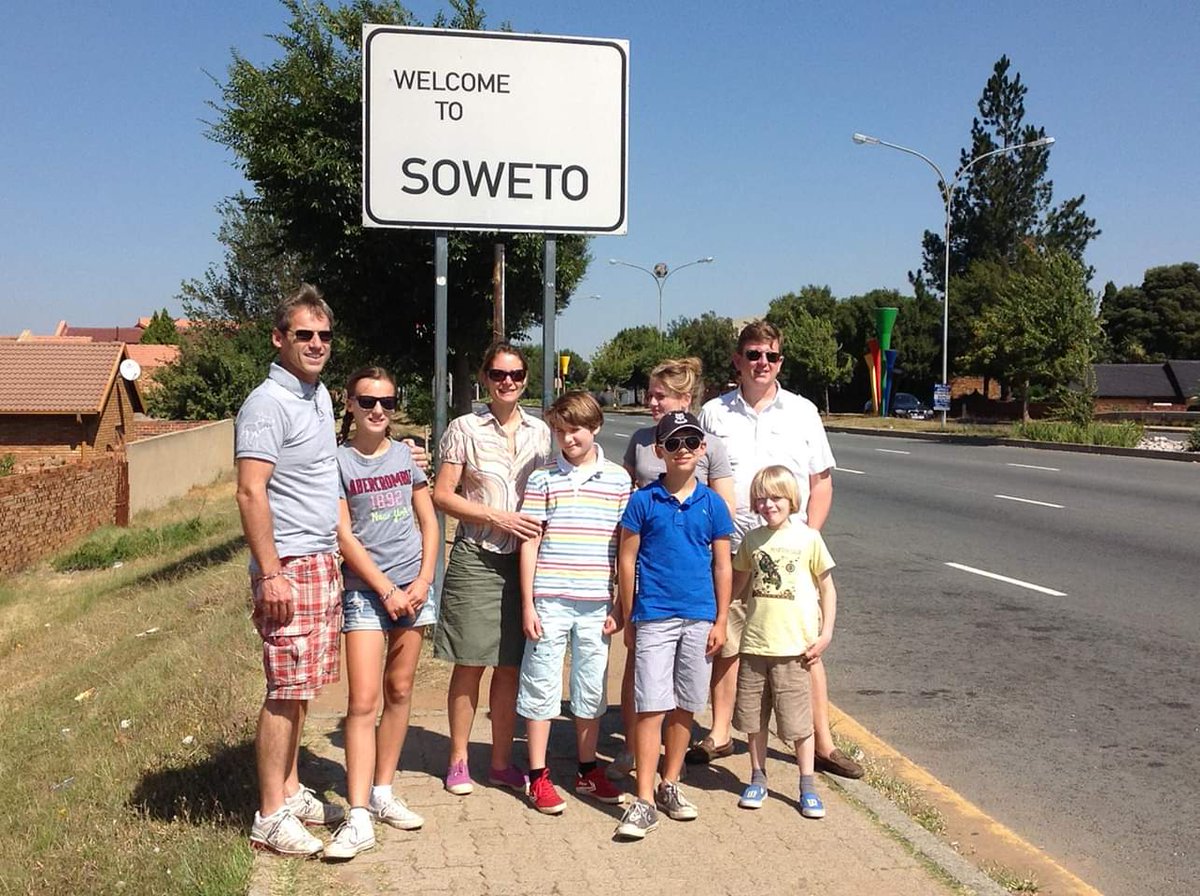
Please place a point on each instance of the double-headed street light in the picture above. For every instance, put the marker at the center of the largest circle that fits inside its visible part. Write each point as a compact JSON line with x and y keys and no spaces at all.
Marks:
{"x":947,"y":189}
{"x":661,"y":274}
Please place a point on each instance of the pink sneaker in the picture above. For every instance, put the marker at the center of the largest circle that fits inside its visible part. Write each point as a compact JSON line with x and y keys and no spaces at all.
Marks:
{"x":511,"y":777}
{"x":458,"y":778}
{"x":596,"y":785}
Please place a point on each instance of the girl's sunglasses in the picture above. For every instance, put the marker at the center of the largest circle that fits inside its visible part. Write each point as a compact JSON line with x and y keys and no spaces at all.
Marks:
{"x":366,"y":402}
{"x":496,"y":375}
{"x":753,"y":354}
{"x":674,"y":443}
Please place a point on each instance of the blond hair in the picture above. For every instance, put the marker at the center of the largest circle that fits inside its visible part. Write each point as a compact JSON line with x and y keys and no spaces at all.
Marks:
{"x":683,"y":376}
{"x":775,"y":481}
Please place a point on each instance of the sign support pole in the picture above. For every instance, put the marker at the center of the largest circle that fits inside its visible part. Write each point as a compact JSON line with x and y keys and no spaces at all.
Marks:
{"x":440,"y":370}
{"x":549,"y":356}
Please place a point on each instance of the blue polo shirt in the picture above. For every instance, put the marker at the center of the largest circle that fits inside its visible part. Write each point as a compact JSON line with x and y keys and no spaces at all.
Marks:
{"x":674,"y":562}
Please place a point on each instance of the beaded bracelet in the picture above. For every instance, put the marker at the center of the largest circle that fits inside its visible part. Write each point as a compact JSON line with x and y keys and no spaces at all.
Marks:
{"x":393,"y":590}
{"x":272,"y":575}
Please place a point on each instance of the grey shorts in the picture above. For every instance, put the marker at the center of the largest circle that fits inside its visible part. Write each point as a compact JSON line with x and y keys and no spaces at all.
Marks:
{"x":670,"y":668}
{"x":773,"y":682}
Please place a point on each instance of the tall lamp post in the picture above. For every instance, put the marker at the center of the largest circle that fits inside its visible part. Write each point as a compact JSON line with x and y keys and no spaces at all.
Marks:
{"x":947,"y":189}
{"x":661,"y":274}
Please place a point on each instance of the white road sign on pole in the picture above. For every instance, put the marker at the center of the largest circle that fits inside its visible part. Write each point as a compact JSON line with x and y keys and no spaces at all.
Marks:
{"x":470,"y":130}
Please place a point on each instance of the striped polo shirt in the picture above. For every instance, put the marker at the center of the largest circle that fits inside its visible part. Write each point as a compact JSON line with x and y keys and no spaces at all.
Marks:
{"x":580,"y":509}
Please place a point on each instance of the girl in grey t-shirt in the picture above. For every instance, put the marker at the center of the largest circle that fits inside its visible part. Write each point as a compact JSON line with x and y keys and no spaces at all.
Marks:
{"x":388,"y":536}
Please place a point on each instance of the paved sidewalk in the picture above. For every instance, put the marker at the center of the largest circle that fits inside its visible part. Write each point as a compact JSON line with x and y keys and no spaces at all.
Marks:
{"x":492,"y":842}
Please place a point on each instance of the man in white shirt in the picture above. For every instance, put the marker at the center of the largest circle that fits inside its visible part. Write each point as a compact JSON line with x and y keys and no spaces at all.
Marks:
{"x":761,"y":424}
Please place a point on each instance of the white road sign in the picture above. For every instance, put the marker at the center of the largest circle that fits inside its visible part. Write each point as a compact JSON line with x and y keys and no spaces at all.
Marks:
{"x":470,"y":130}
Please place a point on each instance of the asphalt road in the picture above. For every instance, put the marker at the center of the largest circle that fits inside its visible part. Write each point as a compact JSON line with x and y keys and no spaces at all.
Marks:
{"x":1064,"y":702}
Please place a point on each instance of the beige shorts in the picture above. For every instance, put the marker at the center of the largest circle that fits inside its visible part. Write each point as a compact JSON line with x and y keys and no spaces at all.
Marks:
{"x":774,"y":682}
{"x":735,"y":623}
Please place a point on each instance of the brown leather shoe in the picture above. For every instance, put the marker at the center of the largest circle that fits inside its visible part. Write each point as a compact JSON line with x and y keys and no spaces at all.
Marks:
{"x":705,"y":751}
{"x":838,"y":763}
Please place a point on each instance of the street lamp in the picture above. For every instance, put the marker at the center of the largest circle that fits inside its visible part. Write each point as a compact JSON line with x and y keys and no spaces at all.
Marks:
{"x":947,"y":191}
{"x":661,"y":274}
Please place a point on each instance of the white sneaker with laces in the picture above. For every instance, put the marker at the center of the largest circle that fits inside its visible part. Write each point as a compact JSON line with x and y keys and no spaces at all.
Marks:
{"x":307,"y":806}
{"x":354,"y":836}
{"x":393,"y":811}
{"x":283,"y":833}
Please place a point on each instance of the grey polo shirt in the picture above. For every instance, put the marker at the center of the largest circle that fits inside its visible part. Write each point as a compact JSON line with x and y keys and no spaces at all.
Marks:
{"x":290,"y":424}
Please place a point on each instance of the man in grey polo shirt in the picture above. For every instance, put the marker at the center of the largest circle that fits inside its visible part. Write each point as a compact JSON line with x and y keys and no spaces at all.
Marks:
{"x":287,"y":493}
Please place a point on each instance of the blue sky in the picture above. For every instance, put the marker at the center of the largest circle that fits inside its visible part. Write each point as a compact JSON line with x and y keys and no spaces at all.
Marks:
{"x":741,"y":116}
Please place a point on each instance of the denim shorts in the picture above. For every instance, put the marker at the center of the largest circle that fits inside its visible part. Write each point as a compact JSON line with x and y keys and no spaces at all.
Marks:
{"x":362,"y":611}
{"x":579,"y":623}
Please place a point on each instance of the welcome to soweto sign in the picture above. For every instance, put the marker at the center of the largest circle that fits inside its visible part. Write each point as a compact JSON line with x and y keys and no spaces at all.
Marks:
{"x":466,"y":130}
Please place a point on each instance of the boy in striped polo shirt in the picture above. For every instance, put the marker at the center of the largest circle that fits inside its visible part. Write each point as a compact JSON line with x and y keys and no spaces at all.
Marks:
{"x":567,"y":576}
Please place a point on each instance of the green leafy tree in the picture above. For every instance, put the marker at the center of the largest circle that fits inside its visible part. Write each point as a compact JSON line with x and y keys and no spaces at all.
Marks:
{"x":1159,"y":319}
{"x":813,"y":360}
{"x":713,"y":340}
{"x":294,"y":127}
{"x":1041,"y":331}
{"x":1003,"y":204}
{"x":161,"y":330}
{"x":219,"y":364}
{"x":625,"y":361}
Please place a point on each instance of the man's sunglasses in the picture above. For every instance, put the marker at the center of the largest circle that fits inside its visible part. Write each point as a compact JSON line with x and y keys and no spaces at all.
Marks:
{"x":753,"y":354}
{"x":366,"y":402}
{"x":496,"y":375}
{"x":674,"y":443}
{"x":307,"y":335}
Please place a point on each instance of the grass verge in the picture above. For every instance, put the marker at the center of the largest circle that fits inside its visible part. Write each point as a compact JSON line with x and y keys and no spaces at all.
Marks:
{"x":908,"y":798}
{"x":1125,"y":434}
{"x":125,"y":737}
{"x":1010,"y":880}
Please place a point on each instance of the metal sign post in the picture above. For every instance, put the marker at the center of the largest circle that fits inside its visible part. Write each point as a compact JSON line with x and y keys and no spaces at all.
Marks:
{"x":549,"y":365}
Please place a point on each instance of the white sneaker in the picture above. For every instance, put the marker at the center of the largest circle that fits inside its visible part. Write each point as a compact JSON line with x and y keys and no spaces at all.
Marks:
{"x":283,"y":833}
{"x":394,"y":812}
{"x":307,"y":807}
{"x":351,"y":839}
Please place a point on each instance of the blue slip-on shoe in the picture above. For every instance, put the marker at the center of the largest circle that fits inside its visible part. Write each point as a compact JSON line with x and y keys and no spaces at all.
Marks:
{"x":811,"y":805}
{"x":753,"y":796}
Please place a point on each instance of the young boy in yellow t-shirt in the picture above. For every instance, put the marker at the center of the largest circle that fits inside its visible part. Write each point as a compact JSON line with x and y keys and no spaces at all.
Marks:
{"x":790,"y":610}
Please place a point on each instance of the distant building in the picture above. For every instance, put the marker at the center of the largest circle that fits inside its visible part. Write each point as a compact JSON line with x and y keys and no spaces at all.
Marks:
{"x":1165,"y":386}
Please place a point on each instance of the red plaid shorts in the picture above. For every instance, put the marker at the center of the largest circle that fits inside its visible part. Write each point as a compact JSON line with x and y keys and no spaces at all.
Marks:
{"x":301,"y":657}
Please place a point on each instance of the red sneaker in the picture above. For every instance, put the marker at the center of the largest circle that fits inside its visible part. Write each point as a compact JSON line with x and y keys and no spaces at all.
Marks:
{"x":544,"y":797}
{"x":597,"y":786}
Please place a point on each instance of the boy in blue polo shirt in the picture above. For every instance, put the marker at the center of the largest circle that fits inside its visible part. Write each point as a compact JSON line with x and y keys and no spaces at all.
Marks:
{"x":675,"y":547}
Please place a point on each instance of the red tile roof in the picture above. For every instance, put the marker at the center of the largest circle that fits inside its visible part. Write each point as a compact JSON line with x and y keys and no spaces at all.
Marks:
{"x":57,"y":377}
{"x":151,"y":356}
{"x":106,"y":334}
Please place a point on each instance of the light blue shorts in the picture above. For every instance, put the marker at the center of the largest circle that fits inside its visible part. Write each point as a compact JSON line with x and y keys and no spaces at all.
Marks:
{"x":362,"y":611}
{"x":581,"y":623}
{"x":670,"y":669}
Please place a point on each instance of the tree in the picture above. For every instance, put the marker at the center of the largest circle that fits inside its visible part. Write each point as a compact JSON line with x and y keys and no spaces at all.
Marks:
{"x":294,"y":126}
{"x":219,"y":364}
{"x":625,"y":361}
{"x":713,"y":340}
{"x":161,"y":330}
{"x":1041,"y":331}
{"x":813,"y":360}
{"x":1159,"y":319}
{"x":1004,"y":203}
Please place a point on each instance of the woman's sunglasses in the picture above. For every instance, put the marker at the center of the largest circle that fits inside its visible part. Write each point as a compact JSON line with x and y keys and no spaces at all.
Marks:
{"x":366,"y":402}
{"x":307,"y":335}
{"x":753,"y":354}
{"x":674,"y":443}
{"x":496,"y":375}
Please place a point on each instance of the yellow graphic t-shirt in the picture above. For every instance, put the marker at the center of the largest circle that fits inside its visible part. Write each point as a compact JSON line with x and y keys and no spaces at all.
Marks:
{"x":783,"y":610}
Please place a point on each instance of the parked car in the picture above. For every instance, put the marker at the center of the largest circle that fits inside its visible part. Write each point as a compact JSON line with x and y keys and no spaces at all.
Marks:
{"x":907,"y":405}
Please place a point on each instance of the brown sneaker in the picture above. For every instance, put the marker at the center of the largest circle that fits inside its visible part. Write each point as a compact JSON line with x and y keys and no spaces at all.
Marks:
{"x":838,"y":763}
{"x":705,"y":751}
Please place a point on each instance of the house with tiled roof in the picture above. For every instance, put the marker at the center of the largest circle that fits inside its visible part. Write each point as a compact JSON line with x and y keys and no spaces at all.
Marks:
{"x":65,"y":398}
{"x":1166,"y":385}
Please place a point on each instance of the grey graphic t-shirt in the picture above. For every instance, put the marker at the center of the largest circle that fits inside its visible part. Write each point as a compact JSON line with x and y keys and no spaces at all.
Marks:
{"x":379,"y":491}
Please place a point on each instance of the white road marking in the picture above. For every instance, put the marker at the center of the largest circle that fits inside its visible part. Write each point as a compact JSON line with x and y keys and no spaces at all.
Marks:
{"x":848,"y":470}
{"x":1028,"y":501}
{"x":892,"y":451}
{"x":1000,"y":578}
{"x":1035,"y":467}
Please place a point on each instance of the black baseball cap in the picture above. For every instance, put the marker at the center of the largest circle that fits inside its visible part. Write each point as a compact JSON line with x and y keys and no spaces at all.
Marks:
{"x":675,"y":422}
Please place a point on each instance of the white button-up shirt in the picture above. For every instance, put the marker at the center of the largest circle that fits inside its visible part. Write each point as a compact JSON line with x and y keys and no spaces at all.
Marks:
{"x":787,"y":431}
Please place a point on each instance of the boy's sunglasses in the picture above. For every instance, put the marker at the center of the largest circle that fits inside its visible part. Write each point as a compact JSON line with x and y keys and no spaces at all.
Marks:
{"x":753,"y":354}
{"x":307,"y":335}
{"x":674,"y":443}
{"x":366,"y":402}
{"x":496,"y":375}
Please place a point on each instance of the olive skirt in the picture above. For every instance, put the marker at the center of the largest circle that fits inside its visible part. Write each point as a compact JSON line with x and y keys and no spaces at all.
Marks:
{"x":479,"y":621}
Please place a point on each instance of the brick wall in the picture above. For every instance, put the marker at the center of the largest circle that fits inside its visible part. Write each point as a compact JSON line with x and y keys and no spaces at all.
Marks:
{"x":145,"y":429}
{"x":43,"y":511}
